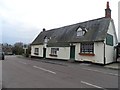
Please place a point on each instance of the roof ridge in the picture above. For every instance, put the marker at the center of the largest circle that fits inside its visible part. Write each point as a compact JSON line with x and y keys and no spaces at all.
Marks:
{"x":68,"y":33}
{"x":75,"y":24}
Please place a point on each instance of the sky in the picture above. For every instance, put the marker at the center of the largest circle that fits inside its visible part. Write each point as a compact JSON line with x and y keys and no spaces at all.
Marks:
{"x":119,"y":21}
{"x":23,"y":20}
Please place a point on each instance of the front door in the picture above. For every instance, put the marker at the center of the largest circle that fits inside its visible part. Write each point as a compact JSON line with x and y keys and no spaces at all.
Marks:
{"x":44,"y":52}
{"x":72,"y":52}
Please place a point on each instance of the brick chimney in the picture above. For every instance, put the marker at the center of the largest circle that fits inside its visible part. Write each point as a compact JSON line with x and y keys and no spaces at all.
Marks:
{"x":107,"y":11}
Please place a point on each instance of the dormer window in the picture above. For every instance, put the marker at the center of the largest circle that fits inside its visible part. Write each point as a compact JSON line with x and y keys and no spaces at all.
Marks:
{"x":80,"y":32}
{"x":45,"y":39}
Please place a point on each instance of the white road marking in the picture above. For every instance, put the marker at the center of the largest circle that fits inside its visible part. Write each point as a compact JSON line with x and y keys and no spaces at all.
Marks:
{"x":92,"y":85}
{"x":22,"y":62}
{"x":100,"y":71}
{"x":44,"y":69}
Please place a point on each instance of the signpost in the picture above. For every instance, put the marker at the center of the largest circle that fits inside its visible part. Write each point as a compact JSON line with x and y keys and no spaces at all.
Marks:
{"x":25,"y":47}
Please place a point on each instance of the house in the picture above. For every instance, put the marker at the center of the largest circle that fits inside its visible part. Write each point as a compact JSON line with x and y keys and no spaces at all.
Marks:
{"x":92,"y":40}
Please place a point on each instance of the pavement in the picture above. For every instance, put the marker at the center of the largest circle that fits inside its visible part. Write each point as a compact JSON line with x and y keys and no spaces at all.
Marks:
{"x":114,"y":65}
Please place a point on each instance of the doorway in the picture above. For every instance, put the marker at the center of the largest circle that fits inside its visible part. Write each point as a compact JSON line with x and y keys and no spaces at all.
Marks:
{"x":44,"y":52}
{"x":72,"y":52}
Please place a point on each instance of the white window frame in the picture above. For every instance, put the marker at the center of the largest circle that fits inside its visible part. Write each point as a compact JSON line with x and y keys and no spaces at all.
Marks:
{"x":36,"y":51}
{"x":80,"y":32}
{"x":45,"y":40}
{"x":87,"y":48}
{"x":54,"y":51}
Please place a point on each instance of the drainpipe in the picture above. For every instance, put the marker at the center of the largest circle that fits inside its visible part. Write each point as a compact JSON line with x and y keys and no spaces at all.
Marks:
{"x":104,"y":54}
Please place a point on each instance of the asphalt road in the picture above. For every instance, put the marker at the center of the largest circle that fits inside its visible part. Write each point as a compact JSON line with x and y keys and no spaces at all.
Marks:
{"x":29,"y":73}
{"x":0,"y":74}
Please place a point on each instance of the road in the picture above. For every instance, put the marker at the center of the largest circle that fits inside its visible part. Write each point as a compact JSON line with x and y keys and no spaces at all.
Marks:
{"x":34,"y":73}
{"x":0,"y":74}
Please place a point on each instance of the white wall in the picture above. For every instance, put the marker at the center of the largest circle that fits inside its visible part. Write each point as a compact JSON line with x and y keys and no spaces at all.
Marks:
{"x":40,"y":50}
{"x":98,"y":51}
{"x":109,"y":54}
{"x":109,"y":50}
{"x":63,"y":53}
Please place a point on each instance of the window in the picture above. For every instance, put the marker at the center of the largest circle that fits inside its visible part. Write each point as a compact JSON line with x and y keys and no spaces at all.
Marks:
{"x":54,"y":51}
{"x":87,"y":48}
{"x":36,"y":52}
{"x":45,"y":39}
{"x":109,"y":40}
{"x":80,"y":32}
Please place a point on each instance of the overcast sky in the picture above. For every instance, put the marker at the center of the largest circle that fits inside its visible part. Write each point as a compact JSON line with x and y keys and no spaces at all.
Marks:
{"x":23,"y":20}
{"x":119,"y":22}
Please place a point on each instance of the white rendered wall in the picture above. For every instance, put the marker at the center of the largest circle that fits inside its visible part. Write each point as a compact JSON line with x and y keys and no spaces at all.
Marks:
{"x":109,"y":50}
{"x":98,"y":51}
{"x":63,"y":53}
{"x":40,"y":50}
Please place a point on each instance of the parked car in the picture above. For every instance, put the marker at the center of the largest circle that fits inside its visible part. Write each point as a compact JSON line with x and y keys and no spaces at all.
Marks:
{"x":2,"y":55}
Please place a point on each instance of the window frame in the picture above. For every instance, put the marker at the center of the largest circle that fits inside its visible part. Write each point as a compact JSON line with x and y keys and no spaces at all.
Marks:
{"x":36,"y":51}
{"x":80,"y":32}
{"x":54,"y":51}
{"x":87,"y":48}
{"x":109,"y":40}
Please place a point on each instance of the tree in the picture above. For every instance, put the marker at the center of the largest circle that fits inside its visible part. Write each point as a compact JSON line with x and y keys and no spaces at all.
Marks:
{"x":18,"y":48}
{"x":7,"y":48}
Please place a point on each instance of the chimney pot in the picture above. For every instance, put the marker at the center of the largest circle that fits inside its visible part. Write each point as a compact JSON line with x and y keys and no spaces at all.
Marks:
{"x":107,"y":11}
{"x":44,"y":29}
{"x":107,"y":5}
